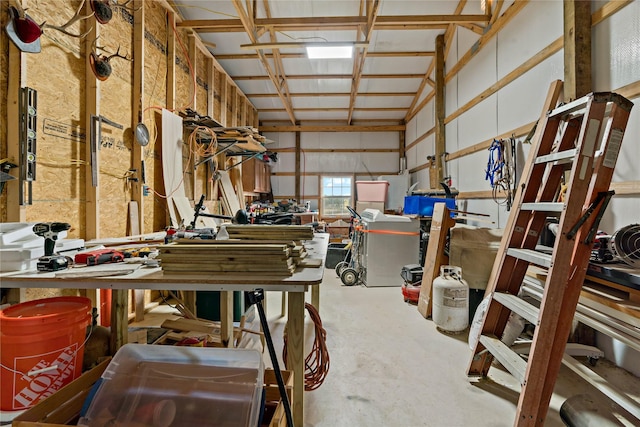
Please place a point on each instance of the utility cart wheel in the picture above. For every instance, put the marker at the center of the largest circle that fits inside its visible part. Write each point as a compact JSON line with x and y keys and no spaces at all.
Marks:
{"x":349,"y":276}
{"x":341,"y":266}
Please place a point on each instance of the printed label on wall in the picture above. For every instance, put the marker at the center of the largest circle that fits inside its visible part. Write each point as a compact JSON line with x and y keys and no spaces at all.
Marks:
{"x":63,"y":130}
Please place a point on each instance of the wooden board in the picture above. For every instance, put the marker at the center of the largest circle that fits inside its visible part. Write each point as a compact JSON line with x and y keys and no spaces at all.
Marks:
{"x":172,"y":159}
{"x":230,"y":197}
{"x":441,"y":222}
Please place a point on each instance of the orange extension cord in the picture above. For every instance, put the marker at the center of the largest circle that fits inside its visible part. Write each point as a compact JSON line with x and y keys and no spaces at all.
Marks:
{"x":317,"y":361}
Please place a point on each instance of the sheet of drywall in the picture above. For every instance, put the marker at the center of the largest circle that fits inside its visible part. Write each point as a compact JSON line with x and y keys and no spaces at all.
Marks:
{"x":615,"y":44}
{"x":479,"y":123}
{"x":479,"y":74}
{"x":518,"y":104}
{"x":528,"y":33}
{"x":172,"y":159}
{"x":349,"y":140}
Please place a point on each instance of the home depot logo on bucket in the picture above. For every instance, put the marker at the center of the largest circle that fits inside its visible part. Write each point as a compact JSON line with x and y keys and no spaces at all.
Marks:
{"x":50,"y":372}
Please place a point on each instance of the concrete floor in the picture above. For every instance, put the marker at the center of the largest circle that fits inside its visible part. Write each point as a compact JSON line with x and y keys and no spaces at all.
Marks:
{"x":391,"y":367}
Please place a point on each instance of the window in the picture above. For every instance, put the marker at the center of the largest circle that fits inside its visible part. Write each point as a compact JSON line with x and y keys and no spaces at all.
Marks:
{"x":336,"y":195}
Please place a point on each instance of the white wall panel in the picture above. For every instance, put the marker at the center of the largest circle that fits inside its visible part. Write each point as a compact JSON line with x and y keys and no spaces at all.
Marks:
{"x":256,"y":86}
{"x":425,"y":148}
{"x":616,"y":49}
{"x":332,"y":162}
{"x":353,"y":140}
{"x":472,"y":172}
{"x":286,"y":162}
{"x":622,"y":210}
{"x":303,"y":66}
{"x":406,"y":65}
{"x":309,"y":185}
{"x":425,"y":119}
{"x":627,"y":166}
{"x":479,"y":74}
{"x":392,"y":85}
{"x":283,"y":116}
{"x":412,"y":157}
{"x":522,"y":100}
{"x":378,"y":115}
{"x":478,"y":123}
{"x":319,"y":85}
{"x":411,"y":130}
{"x":283,"y":185}
{"x":383,"y":102}
{"x":531,"y":30}
{"x":320,"y":102}
{"x":451,"y":134}
{"x":281,"y":139}
{"x":451,"y":103}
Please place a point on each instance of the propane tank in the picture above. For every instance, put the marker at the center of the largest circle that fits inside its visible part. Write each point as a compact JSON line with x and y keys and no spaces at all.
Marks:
{"x":450,"y":300}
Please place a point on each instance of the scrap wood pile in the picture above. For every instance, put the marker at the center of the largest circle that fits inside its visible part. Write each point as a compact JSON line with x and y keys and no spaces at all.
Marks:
{"x":218,"y":257}
{"x":251,"y":249}
{"x":284,"y":233}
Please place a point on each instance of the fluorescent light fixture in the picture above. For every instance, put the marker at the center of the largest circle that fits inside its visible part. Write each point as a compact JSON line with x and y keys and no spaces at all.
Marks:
{"x":330,"y":52}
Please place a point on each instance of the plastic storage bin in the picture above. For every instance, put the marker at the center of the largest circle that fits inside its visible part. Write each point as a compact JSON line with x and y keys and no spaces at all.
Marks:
{"x":423,"y":206}
{"x":372,"y":191}
{"x":162,"y":386}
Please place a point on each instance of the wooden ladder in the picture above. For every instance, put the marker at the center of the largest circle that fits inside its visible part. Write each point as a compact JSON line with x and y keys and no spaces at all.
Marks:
{"x":581,"y":138}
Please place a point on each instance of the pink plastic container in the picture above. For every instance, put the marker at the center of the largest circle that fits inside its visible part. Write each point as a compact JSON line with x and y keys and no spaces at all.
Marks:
{"x":372,"y":191}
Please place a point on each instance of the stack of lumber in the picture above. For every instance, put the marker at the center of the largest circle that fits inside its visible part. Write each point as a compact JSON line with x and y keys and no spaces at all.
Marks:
{"x":284,"y":233}
{"x":224,"y":258}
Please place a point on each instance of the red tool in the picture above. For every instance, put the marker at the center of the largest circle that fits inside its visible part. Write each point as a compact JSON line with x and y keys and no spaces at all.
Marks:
{"x":99,"y":256}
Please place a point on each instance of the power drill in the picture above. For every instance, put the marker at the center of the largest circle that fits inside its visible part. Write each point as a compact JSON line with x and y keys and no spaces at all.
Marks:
{"x":50,"y":230}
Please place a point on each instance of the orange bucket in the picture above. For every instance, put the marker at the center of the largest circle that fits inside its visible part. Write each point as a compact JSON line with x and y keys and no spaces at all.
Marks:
{"x":41,"y":348}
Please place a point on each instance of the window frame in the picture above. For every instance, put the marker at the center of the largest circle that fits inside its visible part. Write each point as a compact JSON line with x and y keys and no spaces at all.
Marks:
{"x":322,"y":195}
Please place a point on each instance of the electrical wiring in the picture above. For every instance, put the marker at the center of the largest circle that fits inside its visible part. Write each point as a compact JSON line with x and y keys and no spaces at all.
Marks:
{"x":317,"y":361}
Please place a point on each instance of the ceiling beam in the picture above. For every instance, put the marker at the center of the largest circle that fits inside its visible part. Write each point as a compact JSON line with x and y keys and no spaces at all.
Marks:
{"x":333,"y":76}
{"x":448,"y":36}
{"x":251,"y":32}
{"x":371,"y":9}
{"x":325,"y":94}
{"x":328,"y":109}
{"x":299,"y":45}
{"x":338,"y":22}
{"x":304,"y":55}
{"x":335,"y":128}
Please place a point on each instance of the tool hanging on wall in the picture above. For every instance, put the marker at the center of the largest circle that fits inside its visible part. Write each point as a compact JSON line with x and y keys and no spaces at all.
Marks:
{"x":28,"y":125}
{"x":501,"y":170}
{"x":5,"y":167}
{"x":96,"y":140}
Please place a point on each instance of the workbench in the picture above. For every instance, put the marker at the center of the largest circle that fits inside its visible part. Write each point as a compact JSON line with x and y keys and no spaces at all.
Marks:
{"x":154,"y":278}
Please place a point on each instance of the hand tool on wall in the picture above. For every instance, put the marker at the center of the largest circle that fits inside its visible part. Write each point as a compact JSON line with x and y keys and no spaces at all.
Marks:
{"x":95,"y":141}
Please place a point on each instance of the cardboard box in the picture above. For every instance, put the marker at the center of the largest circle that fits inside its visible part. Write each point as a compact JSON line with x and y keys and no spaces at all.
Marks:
{"x":62,"y":407}
{"x":274,"y":415}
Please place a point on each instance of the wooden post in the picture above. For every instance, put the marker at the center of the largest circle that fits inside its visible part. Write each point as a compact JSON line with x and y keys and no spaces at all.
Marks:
{"x":295,"y":339}
{"x":171,"y":63}
{"x":119,"y":319}
{"x":17,"y":76}
{"x":92,"y":107}
{"x":223,"y":100}
{"x":193,"y":50}
{"x":137,"y":108}
{"x":577,"y":48}
{"x":439,"y":107}
{"x":298,"y":150}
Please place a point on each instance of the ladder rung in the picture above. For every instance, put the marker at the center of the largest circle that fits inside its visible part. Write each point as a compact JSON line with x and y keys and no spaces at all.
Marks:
{"x":560,"y":157}
{"x":543,"y":207}
{"x":519,"y":306}
{"x":507,"y":357}
{"x":543,"y":260}
{"x":570,"y":107}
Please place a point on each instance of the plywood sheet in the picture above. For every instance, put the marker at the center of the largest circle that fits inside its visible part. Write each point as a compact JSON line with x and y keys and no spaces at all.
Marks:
{"x":172,"y":158}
